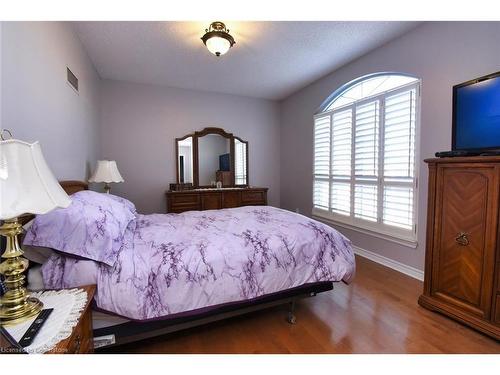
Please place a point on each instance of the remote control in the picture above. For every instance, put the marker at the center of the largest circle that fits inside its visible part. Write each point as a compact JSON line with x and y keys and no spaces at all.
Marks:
{"x":455,"y":153}
{"x":34,"y":328}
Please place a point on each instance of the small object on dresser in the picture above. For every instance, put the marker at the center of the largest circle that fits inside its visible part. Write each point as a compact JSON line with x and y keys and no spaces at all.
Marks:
{"x":35,"y":327}
{"x":181,"y":187}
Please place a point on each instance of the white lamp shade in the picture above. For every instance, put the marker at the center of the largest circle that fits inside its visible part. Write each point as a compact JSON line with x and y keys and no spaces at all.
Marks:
{"x":106,"y":171}
{"x":26,"y":183}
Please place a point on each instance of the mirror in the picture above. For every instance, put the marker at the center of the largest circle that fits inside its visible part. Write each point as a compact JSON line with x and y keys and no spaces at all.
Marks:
{"x":185,"y":160}
{"x":240,"y":162}
{"x":214,"y":160}
{"x":210,"y":156}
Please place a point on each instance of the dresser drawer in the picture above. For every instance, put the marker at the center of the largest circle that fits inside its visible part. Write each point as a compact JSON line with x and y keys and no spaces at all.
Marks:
{"x":253,"y":197}
{"x":498,"y":277}
{"x":496,"y":314}
{"x":183,"y":202}
{"x":214,"y":199}
{"x":211,"y":201}
{"x":231,"y":199}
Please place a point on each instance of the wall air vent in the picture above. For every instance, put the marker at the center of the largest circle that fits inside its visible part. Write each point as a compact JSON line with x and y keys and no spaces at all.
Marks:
{"x":72,"y":79}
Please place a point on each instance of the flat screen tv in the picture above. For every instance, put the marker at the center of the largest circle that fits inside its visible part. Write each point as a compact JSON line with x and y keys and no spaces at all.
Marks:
{"x":476,"y":114}
{"x":224,"y":163}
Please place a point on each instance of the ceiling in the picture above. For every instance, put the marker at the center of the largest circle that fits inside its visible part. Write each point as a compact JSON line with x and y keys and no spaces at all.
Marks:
{"x":270,"y":60}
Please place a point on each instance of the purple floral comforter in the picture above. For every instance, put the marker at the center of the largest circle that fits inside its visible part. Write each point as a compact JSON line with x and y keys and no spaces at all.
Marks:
{"x":175,"y":263}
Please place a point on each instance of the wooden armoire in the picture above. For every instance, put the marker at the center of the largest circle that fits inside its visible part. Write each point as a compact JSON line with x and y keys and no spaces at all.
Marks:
{"x":462,"y":263}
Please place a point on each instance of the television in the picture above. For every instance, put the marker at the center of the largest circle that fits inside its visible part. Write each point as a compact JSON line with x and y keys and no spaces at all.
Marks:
{"x":476,"y":114}
{"x":224,"y":163}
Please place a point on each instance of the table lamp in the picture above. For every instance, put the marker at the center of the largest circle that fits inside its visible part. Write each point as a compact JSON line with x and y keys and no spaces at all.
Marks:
{"x":26,"y":186}
{"x":107,"y":172}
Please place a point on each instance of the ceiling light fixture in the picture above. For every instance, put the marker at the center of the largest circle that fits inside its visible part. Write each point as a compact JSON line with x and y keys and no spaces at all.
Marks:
{"x":217,"y":38}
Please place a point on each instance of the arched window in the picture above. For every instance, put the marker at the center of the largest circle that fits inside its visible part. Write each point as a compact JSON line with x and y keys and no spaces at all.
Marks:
{"x":364,"y":156}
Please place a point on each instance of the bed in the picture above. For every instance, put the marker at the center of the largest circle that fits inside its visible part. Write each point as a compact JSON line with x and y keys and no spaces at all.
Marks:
{"x":165,"y":273}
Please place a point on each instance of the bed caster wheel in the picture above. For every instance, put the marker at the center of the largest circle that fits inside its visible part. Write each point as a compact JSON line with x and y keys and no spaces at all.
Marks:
{"x":291,"y":319}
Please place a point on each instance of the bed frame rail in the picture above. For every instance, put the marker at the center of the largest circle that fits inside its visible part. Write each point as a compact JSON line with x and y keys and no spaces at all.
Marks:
{"x":135,"y":331}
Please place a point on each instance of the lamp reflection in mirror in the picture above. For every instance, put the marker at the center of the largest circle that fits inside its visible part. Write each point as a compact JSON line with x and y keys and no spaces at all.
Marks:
{"x":26,"y":186}
{"x":107,"y":172}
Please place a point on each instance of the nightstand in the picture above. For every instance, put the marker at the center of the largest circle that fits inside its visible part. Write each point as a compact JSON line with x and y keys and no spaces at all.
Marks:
{"x":81,"y":340}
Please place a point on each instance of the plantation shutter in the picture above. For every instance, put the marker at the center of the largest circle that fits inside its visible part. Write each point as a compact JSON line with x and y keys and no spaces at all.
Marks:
{"x":321,"y":162}
{"x":399,"y":156}
{"x":366,"y":155}
{"x":364,"y":162}
{"x":341,"y":146}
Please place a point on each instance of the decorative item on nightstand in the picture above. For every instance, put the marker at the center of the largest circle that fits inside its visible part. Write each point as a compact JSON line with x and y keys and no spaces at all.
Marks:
{"x":107,"y":172}
{"x":26,"y":186}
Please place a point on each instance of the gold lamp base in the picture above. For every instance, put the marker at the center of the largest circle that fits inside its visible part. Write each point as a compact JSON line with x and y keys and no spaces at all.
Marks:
{"x":16,"y":306}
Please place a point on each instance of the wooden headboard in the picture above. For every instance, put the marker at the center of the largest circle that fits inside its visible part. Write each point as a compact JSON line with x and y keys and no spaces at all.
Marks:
{"x":72,"y":187}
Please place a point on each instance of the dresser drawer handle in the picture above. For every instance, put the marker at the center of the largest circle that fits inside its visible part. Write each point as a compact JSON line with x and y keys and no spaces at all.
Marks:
{"x":462,"y":239}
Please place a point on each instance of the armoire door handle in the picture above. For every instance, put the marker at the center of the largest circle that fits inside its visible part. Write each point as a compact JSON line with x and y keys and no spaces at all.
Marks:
{"x":462,"y":239}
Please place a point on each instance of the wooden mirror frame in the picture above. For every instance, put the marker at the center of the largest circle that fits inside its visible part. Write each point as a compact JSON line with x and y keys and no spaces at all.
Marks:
{"x":198,"y":134}
{"x":177,"y":140}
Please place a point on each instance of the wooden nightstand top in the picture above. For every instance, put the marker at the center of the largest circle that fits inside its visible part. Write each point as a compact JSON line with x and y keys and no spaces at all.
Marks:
{"x":81,"y":339}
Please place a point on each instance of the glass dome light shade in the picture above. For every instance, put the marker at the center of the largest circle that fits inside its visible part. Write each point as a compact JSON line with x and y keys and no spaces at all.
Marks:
{"x":218,"y":45}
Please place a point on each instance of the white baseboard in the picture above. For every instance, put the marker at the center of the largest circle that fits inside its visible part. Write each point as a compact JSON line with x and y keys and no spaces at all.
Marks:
{"x":395,"y":265}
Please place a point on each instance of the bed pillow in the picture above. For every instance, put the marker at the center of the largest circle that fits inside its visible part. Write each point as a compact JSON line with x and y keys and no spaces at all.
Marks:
{"x":91,"y":227}
{"x":128,"y":204}
{"x":35,"y":254}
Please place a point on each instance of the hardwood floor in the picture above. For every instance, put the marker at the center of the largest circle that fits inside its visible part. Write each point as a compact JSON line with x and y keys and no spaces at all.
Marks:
{"x":377,"y":313}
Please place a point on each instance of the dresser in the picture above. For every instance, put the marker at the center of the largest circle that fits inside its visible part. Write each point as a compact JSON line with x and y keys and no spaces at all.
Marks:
{"x":462,"y":262}
{"x":214,"y":199}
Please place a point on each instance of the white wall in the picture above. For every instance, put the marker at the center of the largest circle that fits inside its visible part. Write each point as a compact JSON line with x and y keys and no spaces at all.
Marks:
{"x":37,"y":102}
{"x":140,"y":124}
{"x":442,"y":55}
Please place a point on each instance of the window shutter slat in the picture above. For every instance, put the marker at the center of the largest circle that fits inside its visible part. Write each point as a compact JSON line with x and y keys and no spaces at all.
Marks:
{"x":320,"y":194}
{"x":341,"y":198}
{"x":322,"y":146}
{"x":398,"y":206}
{"x":366,"y":139}
{"x":341,"y":143}
{"x":399,"y":134}
{"x":365,"y":202}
